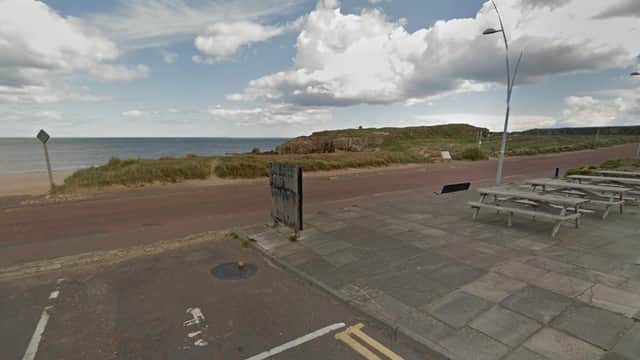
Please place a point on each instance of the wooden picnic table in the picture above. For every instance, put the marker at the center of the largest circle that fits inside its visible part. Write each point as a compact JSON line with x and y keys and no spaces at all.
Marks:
{"x":546,"y":206}
{"x":597,"y":194}
{"x":618,"y":173}
{"x":606,"y":179}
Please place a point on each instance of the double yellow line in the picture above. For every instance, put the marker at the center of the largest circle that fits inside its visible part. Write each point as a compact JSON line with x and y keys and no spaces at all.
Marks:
{"x":356,"y":330}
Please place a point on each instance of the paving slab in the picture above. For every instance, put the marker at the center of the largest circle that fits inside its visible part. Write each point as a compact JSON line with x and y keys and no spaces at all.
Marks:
{"x":456,"y":274}
{"x":413,"y":287}
{"x":425,"y":326}
{"x":612,"y":299}
{"x":329,"y":246}
{"x":595,"y":326}
{"x":340,"y":258}
{"x":517,"y":270}
{"x":387,"y":308}
{"x":522,"y":353}
{"x":559,"y":346}
{"x":457,"y":308}
{"x":629,"y":345}
{"x":493,"y":287}
{"x":562,"y":284}
{"x":468,"y":344}
{"x":536,"y":303}
{"x":506,"y":326}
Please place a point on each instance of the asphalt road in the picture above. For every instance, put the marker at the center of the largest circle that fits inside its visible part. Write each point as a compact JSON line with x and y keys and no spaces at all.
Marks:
{"x":114,"y":220}
{"x":144,"y":309}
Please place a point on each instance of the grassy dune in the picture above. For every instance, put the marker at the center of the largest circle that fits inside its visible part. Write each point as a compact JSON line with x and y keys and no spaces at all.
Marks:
{"x":401,"y":146}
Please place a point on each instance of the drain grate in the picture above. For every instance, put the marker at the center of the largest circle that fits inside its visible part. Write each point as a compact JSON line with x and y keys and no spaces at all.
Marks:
{"x":234,"y":271}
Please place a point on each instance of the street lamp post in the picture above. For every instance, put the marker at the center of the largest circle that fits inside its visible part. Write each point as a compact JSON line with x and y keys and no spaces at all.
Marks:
{"x":637,"y":73}
{"x":511,"y":78}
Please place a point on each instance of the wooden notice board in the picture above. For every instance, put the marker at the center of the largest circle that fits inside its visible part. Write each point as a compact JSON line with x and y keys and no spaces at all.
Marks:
{"x":285,"y":182}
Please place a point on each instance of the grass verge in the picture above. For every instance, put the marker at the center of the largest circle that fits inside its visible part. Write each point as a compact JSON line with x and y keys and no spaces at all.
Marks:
{"x":619,"y":164}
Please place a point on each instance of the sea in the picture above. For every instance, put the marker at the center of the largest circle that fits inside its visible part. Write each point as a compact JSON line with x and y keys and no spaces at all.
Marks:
{"x":22,"y":155}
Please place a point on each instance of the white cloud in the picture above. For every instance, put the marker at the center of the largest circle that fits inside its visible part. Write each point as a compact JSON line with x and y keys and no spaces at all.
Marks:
{"x":154,"y":23}
{"x":223,"y":39}
{"x":604,"y":111}
{"x":38,"y":52}
{"x":271,"y":115}
{"x":168,"y":56}
{"x":347,"y":59}
{"x":134,"y":113}
{"x":49,"y":114}
{"x":111,"y":72}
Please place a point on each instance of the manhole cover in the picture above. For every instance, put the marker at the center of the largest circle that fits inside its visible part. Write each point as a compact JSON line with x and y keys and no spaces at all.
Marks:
{"x":234,"y":271}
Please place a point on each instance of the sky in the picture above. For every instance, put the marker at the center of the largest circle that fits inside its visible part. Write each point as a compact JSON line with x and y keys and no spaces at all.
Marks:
{"x":284,"y":68}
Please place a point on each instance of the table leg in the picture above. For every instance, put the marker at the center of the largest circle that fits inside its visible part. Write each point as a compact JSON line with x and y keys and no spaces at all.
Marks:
{"x":556,"y":227}
{"x":476,"y":211}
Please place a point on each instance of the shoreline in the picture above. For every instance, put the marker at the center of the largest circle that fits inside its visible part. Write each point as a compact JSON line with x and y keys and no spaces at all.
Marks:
{"x":37,"y":183}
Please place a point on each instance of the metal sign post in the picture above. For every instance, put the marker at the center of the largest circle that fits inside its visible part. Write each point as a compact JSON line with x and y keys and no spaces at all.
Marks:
{"x":44,"y":137}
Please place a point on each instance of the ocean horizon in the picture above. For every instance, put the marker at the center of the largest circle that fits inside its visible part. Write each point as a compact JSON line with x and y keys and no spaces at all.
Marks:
{"x":24,"y":155}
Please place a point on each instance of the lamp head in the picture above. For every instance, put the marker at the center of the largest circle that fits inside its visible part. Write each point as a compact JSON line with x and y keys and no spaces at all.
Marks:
{"x":490,"y":31}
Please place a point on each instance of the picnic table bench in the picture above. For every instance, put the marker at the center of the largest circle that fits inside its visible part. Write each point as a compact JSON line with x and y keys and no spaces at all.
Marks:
{"x":632,"y":183}
{"x":607,"y":196}
{"x":538,"y":206}
{"x":616,"y":173}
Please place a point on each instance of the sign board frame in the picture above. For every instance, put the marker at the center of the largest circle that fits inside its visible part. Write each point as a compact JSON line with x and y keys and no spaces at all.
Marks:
{"x":43,"y":136}
{"x":285,"y":183}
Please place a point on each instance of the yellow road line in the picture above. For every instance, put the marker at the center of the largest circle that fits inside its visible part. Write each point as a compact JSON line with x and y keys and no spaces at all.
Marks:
{"x":356,"y":330}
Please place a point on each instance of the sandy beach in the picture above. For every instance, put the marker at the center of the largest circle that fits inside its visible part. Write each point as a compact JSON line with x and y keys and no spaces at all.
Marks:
{"x":33,"y":183}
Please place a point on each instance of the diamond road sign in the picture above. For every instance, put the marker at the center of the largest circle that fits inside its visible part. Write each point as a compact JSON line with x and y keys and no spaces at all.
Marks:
{"x":43,"y":136}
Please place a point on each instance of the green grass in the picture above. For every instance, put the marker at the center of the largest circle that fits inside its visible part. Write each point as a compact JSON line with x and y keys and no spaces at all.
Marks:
{"x":133,"y":172}
{"x":400,"y":146}
{"x":254,"y":166}
{"x":619,"y":164}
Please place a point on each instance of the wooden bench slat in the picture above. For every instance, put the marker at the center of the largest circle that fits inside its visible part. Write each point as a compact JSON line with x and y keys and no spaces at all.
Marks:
{"x":531,"y":213}
{"x":576,"y":186}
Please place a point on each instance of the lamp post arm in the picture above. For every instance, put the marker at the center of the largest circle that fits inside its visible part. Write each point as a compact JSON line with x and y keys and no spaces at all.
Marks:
{"x":506,"y":46}
{"x":515,"y":74}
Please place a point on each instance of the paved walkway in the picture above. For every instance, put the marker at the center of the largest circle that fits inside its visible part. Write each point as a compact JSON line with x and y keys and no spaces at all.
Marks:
{"x":476,"y":290}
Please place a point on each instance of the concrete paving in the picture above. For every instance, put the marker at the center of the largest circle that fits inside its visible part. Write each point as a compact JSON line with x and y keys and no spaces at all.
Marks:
{"x":143,"y":308}
{"x":475,"y":290}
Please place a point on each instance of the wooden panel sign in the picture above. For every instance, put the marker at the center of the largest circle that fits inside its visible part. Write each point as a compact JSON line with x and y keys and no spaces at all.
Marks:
{"x":286,"y":195}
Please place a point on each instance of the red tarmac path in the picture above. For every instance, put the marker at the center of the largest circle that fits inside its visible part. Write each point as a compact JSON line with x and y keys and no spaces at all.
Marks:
{"x":115,"y":220}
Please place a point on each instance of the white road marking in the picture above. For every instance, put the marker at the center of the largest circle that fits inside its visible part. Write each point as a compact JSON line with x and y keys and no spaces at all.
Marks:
{"x":195,"y":333}
{"x":197,"y":314}
{"x":54,"y":294}
{"x":32,"y":349}
{"x":201,"y":342}
{"x":297,"y":342}
{"x":199,"y":322}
